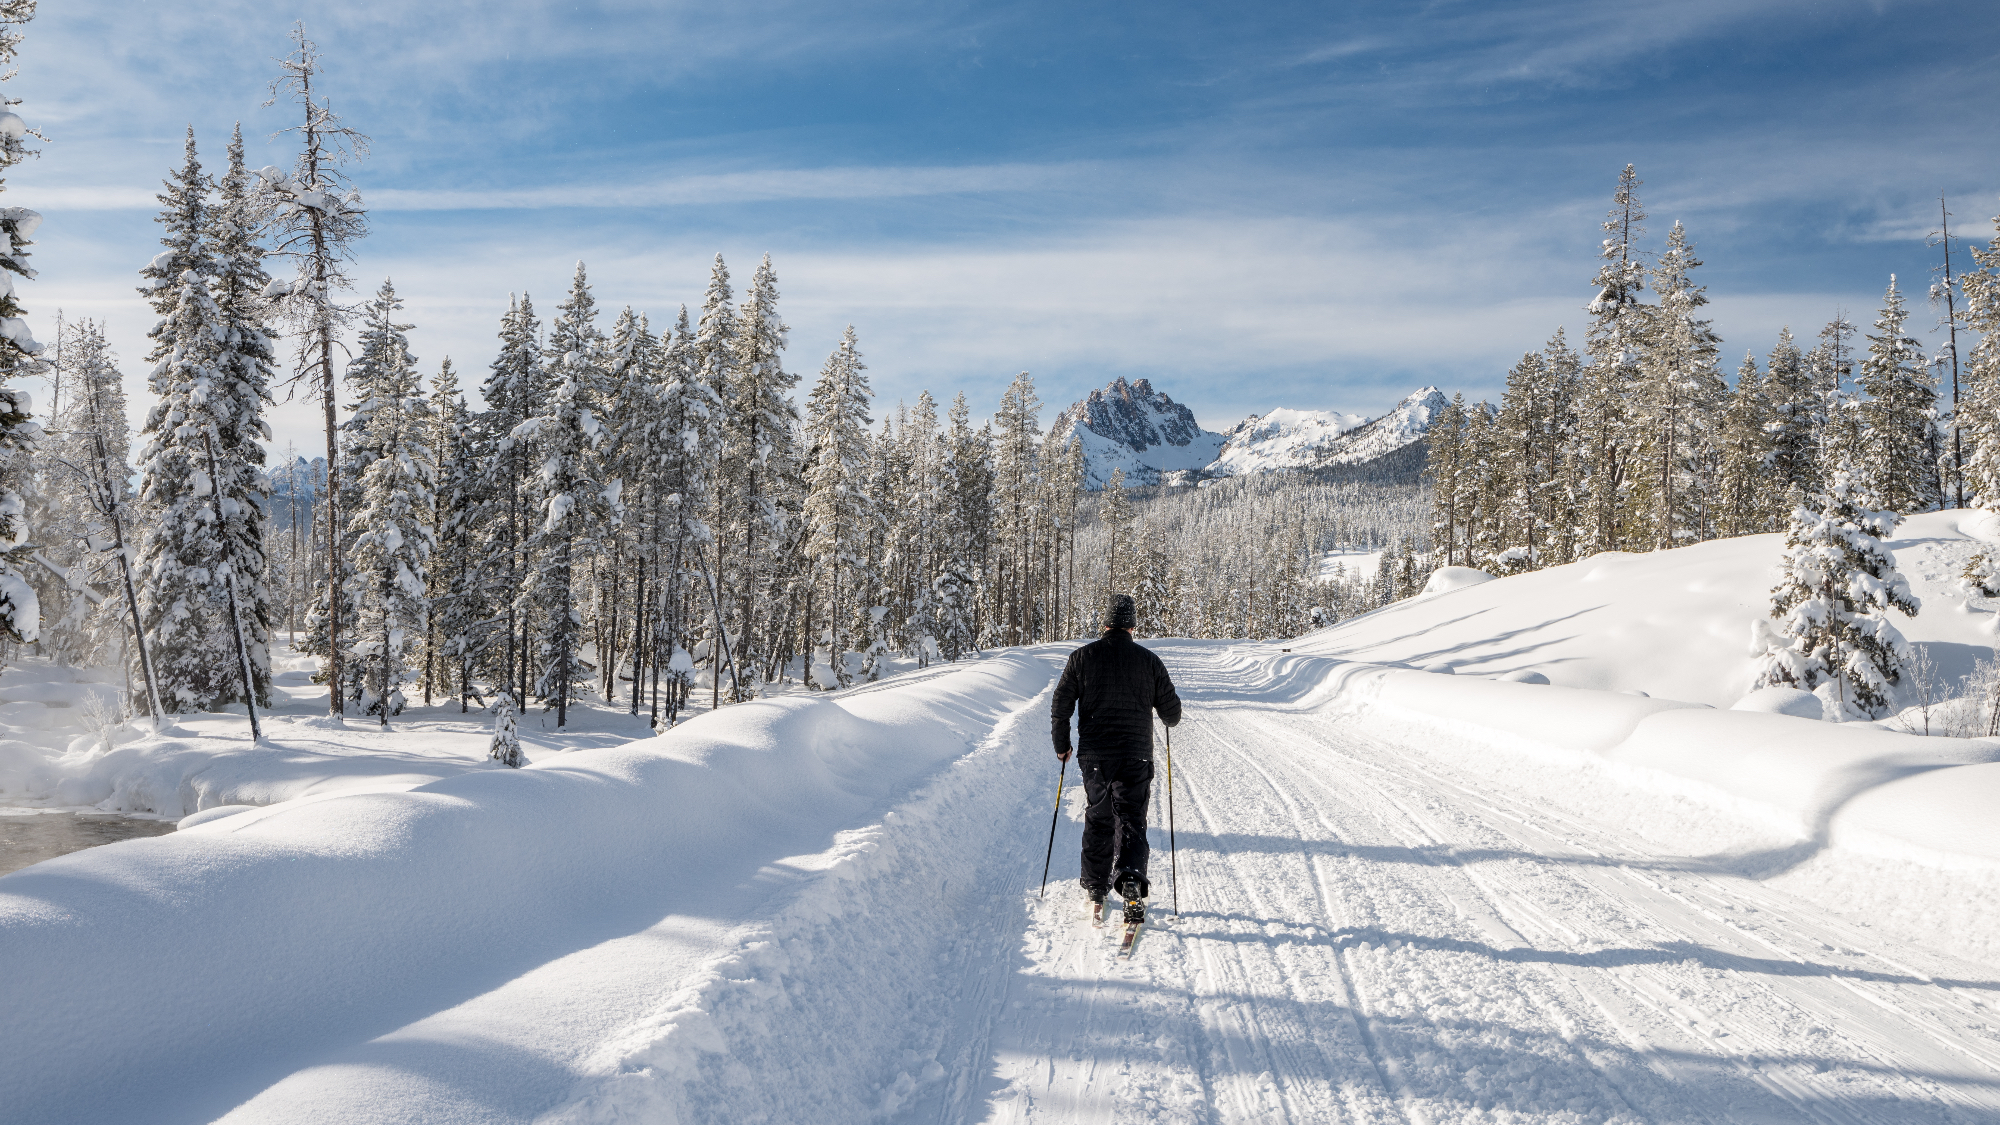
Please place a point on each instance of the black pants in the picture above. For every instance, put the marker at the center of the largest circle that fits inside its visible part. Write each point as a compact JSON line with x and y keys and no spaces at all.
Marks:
{"x":1114,"y":821}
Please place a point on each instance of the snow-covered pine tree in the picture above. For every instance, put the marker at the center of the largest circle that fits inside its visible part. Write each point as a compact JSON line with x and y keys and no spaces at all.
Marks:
{"x":1833,"y":635}
{"x":193,"y":652}
{"x":516,"y":386}
{"x":245,"y":363}
{"x":1445,"y":466}
{"x":1794,"y":426}
{"x":1533,"y":435}
{"x":836,"y":465}
{"x":713,"y":355}
{"x":390,"y":530}
{"x":760,"y":468}
{"x":384,"y":344}
{"x":1899,"y":416}
{"x":966,"y":525}
{"x":1830,"y":366}
{"x":1117,"y":517}
{"x":74,"y":496}
{"x":1483,"y":490}
{"x":627,"y":460}
{"x":576,"y":512}
{"x":1018,"y":432}
{"x":1746,"y":504}
{"x":315,"y":220}
{"x":1981,"y":407}
{"x":1945,"y":291}
{"x":689,"y":414}
{"x":460,"y":627}
{"x":1619,"y":327}
{"x":506,"y":745}
{"x":1680,"y":393}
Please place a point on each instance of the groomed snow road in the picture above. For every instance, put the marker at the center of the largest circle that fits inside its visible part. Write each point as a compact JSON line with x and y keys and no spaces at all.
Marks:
{"x":1371,"y":932}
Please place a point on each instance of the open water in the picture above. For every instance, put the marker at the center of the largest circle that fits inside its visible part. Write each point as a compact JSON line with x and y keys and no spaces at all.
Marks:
{"x":34,"y":837}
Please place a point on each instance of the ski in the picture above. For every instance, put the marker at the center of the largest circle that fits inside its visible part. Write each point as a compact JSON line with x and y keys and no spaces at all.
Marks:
{"x":1135,"y":917}
{"x":1097,"y":914}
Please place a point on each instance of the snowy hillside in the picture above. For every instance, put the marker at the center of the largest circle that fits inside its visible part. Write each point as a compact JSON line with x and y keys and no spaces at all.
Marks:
{"x":1133,"y":427}
{"x":1675,"y":624}
{"x":1281,"y":439}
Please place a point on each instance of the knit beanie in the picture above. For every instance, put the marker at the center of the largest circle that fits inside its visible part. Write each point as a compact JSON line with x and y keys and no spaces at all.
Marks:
{"x":1121,"y":612}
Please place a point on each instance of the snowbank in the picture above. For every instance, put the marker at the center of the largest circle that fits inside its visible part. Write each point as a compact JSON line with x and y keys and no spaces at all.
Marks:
{"x":61,"y":746}
{"x":495,"y":945}
{"x":1670,"y":623}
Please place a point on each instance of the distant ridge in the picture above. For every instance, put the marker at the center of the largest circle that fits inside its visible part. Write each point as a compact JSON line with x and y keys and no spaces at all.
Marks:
{"x":1137,"y":428}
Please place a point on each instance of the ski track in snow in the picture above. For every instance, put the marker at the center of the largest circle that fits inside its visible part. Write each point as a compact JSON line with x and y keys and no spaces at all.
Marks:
{"x":1365,"y":938}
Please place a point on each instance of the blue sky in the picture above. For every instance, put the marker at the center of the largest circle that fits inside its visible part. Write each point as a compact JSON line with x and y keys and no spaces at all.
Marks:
{"x":1308,"y":205}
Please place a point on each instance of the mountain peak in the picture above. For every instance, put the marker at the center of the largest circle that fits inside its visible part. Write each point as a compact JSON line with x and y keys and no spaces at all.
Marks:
{"x":1131,"y":425}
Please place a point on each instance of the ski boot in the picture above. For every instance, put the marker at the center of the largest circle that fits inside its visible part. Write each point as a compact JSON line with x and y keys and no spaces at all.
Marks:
{"x":1133,"y":888}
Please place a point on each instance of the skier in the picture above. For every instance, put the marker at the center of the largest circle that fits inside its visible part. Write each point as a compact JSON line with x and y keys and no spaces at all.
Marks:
{"x":1114,"y":686}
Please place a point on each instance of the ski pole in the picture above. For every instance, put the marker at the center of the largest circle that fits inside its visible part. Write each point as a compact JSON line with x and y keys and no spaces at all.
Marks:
{"x":1047,"y":859}
{"x":1173,"y":854}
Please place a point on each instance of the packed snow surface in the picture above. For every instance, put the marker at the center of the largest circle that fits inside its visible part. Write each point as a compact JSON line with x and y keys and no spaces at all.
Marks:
{"x":1401,"y":896}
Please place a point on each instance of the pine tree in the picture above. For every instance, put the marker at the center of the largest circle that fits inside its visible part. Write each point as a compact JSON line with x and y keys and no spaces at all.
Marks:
{"x":576,"y":511}
{"x":1681,"y":392}
{"x":1981,"y":408}
{"x":1014,"y":465}
{"x":1899,"y":417}
{"x":1833,"y":635}
{"x":1445,"y":466}
{"x":966,"y":525}
{"x":1616,"y":340}
{"x":689,"y":413}
{"x":459,"y":631}
{"x":178,"y":558}
{"x":1794,"y":426}
{"x":759,"y":465}
{"x":506,"y":746}
{"x":713,"y":356}
{"x":245,"y":365}
{"x":390,"y":529}
{"x":317,"y":217}
{"x":516,"y":387}
{"x":75,"y":495}
{"x":379,"y":372}
{"x":1118,"y":520}
{"x":836,"y":464}
{"x":1746,"y":503}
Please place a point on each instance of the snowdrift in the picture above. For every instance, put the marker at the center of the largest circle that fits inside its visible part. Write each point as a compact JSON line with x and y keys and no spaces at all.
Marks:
{"x":1675,"y":623}
{"x":511,"y":943}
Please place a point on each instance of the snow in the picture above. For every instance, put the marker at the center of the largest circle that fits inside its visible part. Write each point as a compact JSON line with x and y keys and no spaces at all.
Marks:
{"x":1676,"y":624}
{"x":1281,"y":439}
{"x":60,"y":747}
{"x":1446,"y":579}
{"x":1401,"y":896}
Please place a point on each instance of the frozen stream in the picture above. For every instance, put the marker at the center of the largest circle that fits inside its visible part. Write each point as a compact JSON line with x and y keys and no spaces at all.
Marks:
{"x":33,"y":835}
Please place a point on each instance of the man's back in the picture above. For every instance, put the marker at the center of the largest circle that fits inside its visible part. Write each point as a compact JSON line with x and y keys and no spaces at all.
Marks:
{"x":1114,"y":685}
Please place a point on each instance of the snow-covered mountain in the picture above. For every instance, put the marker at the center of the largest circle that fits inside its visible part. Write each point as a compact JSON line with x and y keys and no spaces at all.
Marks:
{"x":1281,"y":439}
{"x":1133,"y":427}
{"x":1403,"y":425}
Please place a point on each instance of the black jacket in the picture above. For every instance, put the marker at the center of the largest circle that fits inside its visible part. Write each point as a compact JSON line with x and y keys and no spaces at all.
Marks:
{"x":1114,"y":686}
